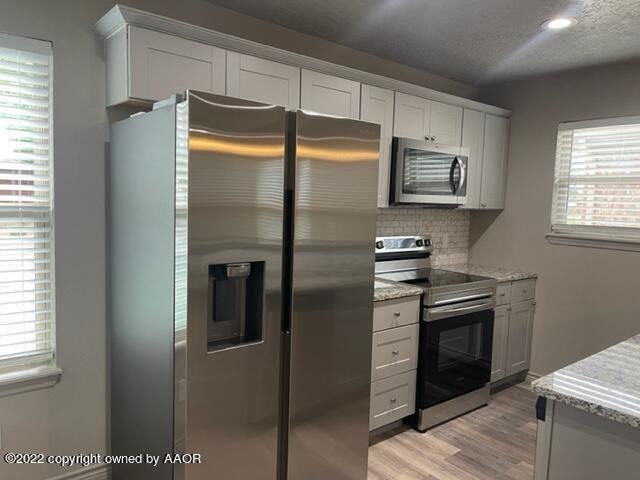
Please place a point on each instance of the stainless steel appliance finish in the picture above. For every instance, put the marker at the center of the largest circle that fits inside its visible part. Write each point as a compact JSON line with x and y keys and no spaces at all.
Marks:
{"x":456,"y":331}
{"x":334,"y":223}
{"x":242,"y":290}
{"x":235,"y":215}
{"x":424,"y":172}
{"x":430,"y":417}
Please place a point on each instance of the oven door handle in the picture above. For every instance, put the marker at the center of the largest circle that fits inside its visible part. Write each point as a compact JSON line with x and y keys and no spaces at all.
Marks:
{"x":438,"y":313}
{"x":461,"y":299}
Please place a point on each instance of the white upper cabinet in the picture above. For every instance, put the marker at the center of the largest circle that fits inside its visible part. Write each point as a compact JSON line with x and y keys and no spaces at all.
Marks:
{"x":377,"y":107}
{"x":412,"y":117}
{"x":494,"y":161}
{"x":423,"y":119}
{"x":153,"y":66}
{"x":330,"y":95}
{"x":254,"y":78}
{"x":446,"y":124}
{"x":473,"y":139}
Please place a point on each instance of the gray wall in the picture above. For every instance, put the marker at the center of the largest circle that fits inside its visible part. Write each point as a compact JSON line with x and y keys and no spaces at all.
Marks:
{"x":71,"y":417}
{"x":587,"y":298}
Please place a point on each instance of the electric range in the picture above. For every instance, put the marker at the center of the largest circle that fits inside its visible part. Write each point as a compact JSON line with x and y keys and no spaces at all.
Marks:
{"x":456,"y":329}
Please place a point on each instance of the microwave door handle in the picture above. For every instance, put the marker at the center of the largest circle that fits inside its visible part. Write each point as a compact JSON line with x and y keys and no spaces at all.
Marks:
{"x":452,"y":170}
{"x":463,"y":174}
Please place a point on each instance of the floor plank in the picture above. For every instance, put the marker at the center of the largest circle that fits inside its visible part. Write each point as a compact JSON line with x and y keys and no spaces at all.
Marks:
{"x":496,"y":442}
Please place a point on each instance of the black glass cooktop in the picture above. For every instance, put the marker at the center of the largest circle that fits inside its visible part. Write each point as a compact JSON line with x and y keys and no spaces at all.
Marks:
{"x":434,"y":278}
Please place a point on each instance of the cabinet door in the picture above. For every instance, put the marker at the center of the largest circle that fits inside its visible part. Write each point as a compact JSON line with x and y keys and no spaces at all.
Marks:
{"x":330,"y":95}
{"x":500,"y":333}
{"x":161,"y":65}
{"x":376,"y":106}
{"x":494,"y":161}
{"x":519,"y":338}
{"x":446,"y":124}
{"x":473,"y":139}
{"x":412,"y":117}
{"x":261,"y":80}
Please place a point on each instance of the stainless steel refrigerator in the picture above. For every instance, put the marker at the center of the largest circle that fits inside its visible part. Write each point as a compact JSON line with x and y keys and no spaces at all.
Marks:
{"x":241,"y":288}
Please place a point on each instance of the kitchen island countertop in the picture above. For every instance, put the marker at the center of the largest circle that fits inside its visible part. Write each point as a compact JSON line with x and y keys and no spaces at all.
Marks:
{"x":605,"y":384}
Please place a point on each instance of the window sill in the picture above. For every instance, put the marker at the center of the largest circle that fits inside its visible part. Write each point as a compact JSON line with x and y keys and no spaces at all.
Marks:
{"x":28,"y":379}
{"x":630,"y":244}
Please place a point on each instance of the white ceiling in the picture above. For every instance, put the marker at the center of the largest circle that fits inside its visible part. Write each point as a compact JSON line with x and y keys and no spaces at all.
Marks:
{"x":474,"y":41}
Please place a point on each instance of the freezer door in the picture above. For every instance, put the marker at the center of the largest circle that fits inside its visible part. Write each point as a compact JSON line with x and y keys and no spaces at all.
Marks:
{"x":234,"y":222}
{"x":336,"y":172}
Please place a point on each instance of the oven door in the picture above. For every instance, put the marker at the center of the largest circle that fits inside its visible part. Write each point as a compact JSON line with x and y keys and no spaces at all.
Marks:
{"x":428,"y":173}
{"x":455,"y":350}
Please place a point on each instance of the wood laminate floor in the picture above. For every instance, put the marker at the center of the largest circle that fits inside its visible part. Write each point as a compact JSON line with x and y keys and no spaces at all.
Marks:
{"x":496,"y":442}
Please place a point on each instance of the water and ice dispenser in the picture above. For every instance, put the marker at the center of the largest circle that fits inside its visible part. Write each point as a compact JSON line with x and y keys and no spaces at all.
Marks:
{"x":236,"y":292}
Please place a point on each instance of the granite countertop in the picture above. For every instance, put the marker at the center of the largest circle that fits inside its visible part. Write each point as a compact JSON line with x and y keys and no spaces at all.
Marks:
{"x":605,"y":384}
{"x":500,"y":274}
{"x":388,"y":290}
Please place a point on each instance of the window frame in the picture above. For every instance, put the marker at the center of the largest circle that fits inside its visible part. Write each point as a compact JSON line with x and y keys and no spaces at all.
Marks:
{"x":30,"y":373}
{"x":614,"y":238}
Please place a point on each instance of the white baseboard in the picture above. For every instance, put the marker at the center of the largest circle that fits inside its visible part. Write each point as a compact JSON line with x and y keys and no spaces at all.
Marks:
{"x":92,"y":472}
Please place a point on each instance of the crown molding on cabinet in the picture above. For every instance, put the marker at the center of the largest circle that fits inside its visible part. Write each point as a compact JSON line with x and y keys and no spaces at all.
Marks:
{"x":121,"y":15}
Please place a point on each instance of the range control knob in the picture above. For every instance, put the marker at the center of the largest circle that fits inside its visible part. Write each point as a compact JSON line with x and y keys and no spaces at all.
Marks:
{"x":419,"y":242}
{"x":379,"y":244}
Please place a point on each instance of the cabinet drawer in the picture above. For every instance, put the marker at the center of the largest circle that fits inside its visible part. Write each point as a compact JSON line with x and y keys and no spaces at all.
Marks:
{"x":394,"y":351}
{"x":523,"y":290}
{"x":503,"y":293}
{"x":392,"y":399}
{"x":395,"y":313}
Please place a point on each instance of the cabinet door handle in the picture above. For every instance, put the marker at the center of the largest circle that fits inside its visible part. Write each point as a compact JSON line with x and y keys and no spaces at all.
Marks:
{"x":433,"y":139}
{"x":483,"y":205}
{"x":395,"y":352}
{"x":396,"y":314}
{"x":394,"y":400}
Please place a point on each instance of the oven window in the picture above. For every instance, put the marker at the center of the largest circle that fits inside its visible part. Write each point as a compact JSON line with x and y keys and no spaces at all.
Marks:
{"x":428,"y":173}
{"x":460,"y":345}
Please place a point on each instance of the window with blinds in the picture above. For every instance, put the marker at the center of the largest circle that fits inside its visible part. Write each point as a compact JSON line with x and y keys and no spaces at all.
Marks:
{"x":597,"y":179}
{"x":26,"y":262}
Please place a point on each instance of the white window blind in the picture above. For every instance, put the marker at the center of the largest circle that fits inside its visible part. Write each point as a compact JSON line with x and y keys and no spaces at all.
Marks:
{"x":597,"y":179}
{"x":26,"y":262}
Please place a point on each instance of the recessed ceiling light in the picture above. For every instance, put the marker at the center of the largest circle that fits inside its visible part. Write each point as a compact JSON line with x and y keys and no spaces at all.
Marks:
{"x":559,"y":23}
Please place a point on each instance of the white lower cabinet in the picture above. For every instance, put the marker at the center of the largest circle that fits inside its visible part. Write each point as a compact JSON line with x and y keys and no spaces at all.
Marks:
{"x":392,"y":399}
{"x":519,"y":340}
{"x":394,"y":351}
{"x":513,"y":328}
{"x":394,"y":360}
{"x":500,"y":334}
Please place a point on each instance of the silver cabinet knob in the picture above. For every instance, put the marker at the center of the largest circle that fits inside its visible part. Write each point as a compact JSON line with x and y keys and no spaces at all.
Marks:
{"x":433,"y":139}
{"x":396,"y":314}
{"x":394,"y":400}
{"x":483,"y":205}
{"x":395,"y":352}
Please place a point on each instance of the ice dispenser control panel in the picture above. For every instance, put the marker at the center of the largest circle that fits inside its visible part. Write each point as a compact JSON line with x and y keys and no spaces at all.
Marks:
{"x":236,"y":292}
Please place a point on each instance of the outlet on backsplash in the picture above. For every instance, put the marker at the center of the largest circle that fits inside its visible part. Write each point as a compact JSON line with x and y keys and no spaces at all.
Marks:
{"x":449,"y":229}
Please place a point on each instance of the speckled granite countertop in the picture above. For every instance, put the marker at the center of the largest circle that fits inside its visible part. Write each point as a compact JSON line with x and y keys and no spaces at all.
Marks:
{"x":388,"y":290}
{"x":605,"y":384}
{"x":500,"y":274}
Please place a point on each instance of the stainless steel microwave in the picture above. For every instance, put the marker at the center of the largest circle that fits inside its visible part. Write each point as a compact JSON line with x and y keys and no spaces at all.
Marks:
{"x":428,"y":173}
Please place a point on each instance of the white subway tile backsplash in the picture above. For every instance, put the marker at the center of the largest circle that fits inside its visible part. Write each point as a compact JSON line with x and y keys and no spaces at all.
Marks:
{"x":449,"y":230}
